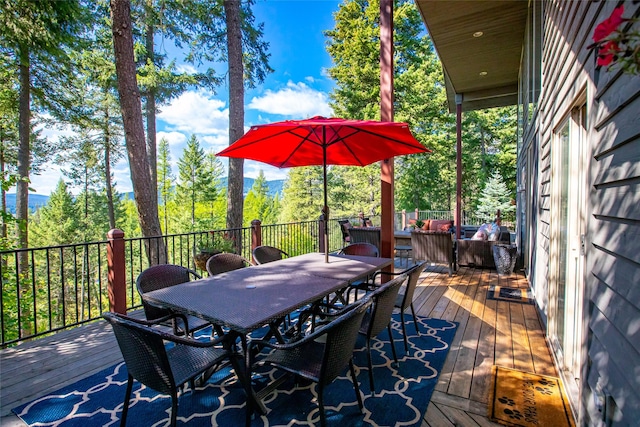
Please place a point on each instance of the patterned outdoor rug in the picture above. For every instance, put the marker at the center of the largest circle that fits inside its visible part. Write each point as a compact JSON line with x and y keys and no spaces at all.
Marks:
{"x":504,"y":293}
{"x":402,"y":397}
{"x":524,"y":399}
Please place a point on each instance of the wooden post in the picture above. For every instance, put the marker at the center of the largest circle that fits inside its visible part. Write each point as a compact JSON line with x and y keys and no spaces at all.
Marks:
{"x":404,"y":219}
{"x":386,"y":115}
{"x":117,"y":287}
{"x":256,"y":236}
{"x":417,"y":214}
{"x":458,"y":222}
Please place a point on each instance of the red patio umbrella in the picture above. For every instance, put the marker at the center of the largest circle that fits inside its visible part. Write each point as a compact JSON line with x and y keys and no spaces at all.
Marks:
{"x":321,"y":141}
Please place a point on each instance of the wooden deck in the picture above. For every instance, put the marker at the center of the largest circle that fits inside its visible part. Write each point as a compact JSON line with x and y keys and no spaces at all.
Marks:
{"x":490,"y":332}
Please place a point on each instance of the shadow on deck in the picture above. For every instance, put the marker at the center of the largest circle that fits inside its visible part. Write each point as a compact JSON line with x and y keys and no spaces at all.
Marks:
{"x":490,"y":332}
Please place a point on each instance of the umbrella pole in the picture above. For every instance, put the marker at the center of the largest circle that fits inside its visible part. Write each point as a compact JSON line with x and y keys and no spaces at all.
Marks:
{"x":326,"y":203}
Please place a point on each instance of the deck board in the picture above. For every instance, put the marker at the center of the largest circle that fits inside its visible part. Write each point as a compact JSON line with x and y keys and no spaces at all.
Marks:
{"x":491,"y":332}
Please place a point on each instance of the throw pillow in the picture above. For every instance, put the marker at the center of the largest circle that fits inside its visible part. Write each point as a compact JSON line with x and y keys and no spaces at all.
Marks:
{"x":426,"y":224}
{"x":440,"y":225}
{"x":481,"y":234}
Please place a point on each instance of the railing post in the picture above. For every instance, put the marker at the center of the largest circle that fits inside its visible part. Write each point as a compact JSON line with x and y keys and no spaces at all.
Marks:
{"x":404,"y":219}
{"x":321,"y":234}
{"x":116,"y":272}
{"x":417,"y":213}
{"x":256,"y":236}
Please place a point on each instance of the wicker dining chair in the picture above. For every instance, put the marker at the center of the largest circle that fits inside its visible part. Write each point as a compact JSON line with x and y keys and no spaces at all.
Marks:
{"x":162,"y":276}
{"x":362,"y":249}
{"x":404,"y":298}
{"x":365,"y":235}
{"x":322,"y":355}
{"x":221,"y":263}
{"x":264,"y":254}
{"x":164,"y":370}
{"x":379,"y":318}
{"x":345,"y":226}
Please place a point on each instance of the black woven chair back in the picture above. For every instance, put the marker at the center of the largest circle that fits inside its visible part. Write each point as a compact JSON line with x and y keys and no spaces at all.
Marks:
{"x":345,"y":226}
{"x":144,"y":353}
{"x":221,"y":263}
{"x":365,"y":235}
{"x":384,"y":299}
{"x":363,"y":249}
{"x":159,"y":277}
{"x":265,"y":254}
{"x":340,"y":341}
{"x":413,"y":275}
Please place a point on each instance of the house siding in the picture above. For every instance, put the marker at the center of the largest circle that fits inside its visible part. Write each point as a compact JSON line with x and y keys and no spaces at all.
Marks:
{"x":609,"y":388}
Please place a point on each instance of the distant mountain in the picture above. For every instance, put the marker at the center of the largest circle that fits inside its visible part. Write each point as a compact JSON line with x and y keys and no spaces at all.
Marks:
{"x":35,"y":201}
{"x":275,"y":186}
{"x":38,"y":200}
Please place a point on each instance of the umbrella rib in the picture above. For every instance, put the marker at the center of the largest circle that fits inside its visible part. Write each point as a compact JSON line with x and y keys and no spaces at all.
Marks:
{"x":386,"y":137}
{"x":303,"y":141}
{"x":247,"y":144}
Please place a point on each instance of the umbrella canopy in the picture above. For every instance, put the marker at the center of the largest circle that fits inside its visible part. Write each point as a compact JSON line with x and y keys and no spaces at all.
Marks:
{"x":321,"y":141}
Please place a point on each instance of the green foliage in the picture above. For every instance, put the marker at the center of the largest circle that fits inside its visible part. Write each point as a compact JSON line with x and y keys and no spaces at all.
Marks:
{"x":196,"y":178}
{"x":495,"y":196}
{"x":165,"y":182}
{"x":423,"y":181}
{"x":258,"y":204}
{"x":57,"y":222}
{"x":303,"y":194}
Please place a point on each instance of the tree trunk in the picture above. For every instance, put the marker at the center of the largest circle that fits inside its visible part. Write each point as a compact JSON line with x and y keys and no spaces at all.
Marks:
{"x":143,"y":190}
{"x":151,"y":107}
{"x":3,"y":199}
{"x":236,"y":114}
{"x":107,"y":172}
{"x":22,"y":189}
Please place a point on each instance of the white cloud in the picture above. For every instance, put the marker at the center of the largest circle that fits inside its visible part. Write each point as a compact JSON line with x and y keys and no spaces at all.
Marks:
{"x":196,"y":113}
{"x":252,"y":170}
{"x":46,"y":182}
{"x":296,"y":100}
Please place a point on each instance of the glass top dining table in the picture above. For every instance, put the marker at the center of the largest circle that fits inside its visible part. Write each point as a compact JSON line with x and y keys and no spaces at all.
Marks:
{"x":248,"y":298}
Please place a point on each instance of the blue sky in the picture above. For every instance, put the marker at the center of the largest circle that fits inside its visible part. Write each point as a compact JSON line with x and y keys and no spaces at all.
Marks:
{"x":298,"y":88}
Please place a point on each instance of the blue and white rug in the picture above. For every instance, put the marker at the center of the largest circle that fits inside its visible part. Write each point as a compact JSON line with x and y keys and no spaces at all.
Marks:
{"x":402,"y":392}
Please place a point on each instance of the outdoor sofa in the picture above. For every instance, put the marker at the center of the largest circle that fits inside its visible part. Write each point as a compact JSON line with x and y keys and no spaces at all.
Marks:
{"x":479,"y":253}
{"x":434,"y":243}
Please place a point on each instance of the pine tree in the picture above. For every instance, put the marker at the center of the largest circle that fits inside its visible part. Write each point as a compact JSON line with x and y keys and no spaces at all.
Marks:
{"x":195,"y":177}
{"x":495,"y":196}
{"x":57,"y":222}
{"x":303,"y":195}
{"x":258,"y":204}
{"x":165,"y":180}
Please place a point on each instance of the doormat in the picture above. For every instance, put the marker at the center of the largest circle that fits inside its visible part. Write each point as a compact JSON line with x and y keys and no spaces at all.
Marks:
{"x":523,"y":399}
{"x":504,"y":293}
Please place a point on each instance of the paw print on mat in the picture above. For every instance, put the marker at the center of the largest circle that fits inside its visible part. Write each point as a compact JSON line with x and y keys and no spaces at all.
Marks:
{"x":546,"y":383}
{"x":514,"y":414}
{"x":544,"y":390}
{"x":506,"y":401}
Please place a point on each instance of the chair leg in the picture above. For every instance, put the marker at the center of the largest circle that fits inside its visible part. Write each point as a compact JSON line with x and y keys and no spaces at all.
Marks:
{"x":323,"y":417}
{"x":125,"y":406}
{"x":393,"y":344}
{"x":415,"y":319}
{"x":355,"y":385}
{"x":371,"y":385}
{"x":404,"y":332}
{"x":174,"y":407}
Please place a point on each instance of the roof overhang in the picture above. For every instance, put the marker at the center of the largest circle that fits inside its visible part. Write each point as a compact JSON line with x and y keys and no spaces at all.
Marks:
{"x":483,"y":68}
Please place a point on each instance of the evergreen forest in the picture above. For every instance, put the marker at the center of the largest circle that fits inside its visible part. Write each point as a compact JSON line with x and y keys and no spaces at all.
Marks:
{"x":59,"y":69}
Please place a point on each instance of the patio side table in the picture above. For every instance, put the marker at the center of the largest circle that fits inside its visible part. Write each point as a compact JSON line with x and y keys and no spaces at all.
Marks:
{"x":505,"y":258}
